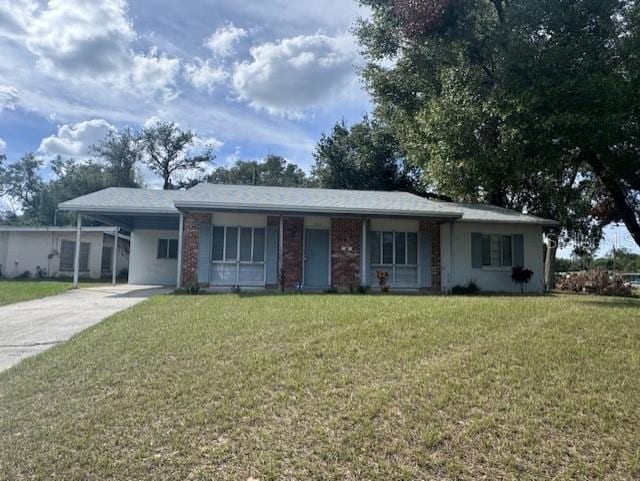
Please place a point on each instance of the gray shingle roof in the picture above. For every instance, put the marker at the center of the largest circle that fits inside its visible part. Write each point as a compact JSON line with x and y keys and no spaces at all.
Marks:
{"x":127,"y":200}
{"x":289,"y":199}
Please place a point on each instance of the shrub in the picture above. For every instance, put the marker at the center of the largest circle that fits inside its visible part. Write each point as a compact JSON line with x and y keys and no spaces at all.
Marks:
{"x":193,"y":288}
{"x":521,"y":276}
{"x":383,"y":279}
{"x":469,"y":288}
{"x":595,"y":281}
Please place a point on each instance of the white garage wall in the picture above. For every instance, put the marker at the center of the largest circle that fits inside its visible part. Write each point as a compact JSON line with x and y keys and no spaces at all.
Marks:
{"x":26,"y":250}
{"x":144,"y":268}
{"x":457,"y":270}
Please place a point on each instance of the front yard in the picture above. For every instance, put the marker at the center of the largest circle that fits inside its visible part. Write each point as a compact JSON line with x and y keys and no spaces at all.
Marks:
{"x":18,"y":291}
{"x":307,"y":387}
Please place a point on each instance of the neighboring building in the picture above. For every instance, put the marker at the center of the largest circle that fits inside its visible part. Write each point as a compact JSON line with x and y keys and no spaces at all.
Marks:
{"x":50,"y":251}
{"x":227,"y":235}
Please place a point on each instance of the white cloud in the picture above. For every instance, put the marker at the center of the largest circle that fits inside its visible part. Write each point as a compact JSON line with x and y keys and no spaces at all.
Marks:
{"x":75,"y":140}
{"x":82,"y":37}
{"x":224,"y":39}
{"x":14,"y":16}
{"x":205,"y":75}
{"x":154,"y":73}
{"x":3,"y":145}
{"x":292,"y":74}
{"x":8,"y":97}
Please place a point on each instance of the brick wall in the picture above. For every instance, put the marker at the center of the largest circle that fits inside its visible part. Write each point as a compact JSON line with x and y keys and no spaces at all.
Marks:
{"x":346,"y":239}
{"x":292,"y":255}
{"x":434,"y":229}
{"x":190,"y":246}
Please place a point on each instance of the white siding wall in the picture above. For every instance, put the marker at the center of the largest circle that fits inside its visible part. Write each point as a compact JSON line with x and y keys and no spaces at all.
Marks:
{"x":25,"y":251}
{"x":456,"y":269}
{"x":144,"y":268}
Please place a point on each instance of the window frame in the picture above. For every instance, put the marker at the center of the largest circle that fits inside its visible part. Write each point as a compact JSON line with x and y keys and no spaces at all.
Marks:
{"x":65,"y":268}
{"x":501,"y":238}
{"x":237,"y":262}
{"x":392,"y":267}
{"x":168,"y":243}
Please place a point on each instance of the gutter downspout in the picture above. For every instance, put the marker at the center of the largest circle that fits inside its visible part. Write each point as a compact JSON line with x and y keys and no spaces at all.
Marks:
{"x":76,"y":257}
{"x":116,"y":233}
{"x":280,"y":251}
{"x":180,"y":234}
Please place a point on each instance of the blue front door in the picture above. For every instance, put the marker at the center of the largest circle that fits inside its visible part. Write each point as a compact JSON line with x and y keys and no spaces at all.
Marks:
{"x":316,"y":258}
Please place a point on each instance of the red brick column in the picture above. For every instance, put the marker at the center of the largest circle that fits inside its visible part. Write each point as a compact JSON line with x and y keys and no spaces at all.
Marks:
{"x":346,"y":242}
{"x":292,"y":250}
{"x":190,"y":239}
{"x":434,"y":229}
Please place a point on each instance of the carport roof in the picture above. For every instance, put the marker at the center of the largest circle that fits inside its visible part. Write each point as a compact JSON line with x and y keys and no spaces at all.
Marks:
{"x":214,"y":197}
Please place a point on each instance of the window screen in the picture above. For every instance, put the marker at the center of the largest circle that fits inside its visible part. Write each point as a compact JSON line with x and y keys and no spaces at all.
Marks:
{"x":231,"y":252}
{"x":68,"y":252}
{"x":217,"y":244}
{"x":245,"y":244}
{"x":412,"y":248}
{"x":387,"y":247}
{"x":401,"y":257}
{"x":258,"y":245}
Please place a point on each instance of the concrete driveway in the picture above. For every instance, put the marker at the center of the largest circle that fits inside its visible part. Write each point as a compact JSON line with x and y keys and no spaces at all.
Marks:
{"x":27,"y":328}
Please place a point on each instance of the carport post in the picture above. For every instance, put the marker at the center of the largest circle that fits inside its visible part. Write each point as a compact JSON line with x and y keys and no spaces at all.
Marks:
{"x":180,"y":232}
{"x":76,"y":257}
{"x":115,"y":255}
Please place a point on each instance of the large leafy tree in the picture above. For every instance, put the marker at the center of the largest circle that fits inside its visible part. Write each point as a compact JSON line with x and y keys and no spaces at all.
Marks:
{"x":167,"y":152}
{"x":530,"y":104}
{"x":273,"y":170}
{"x":121,"y":152}
{"x":21,"y":187}
{"x":365,"y":156}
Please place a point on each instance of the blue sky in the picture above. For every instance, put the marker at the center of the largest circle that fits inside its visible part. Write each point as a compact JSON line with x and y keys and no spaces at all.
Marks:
{"x":250,"y":77}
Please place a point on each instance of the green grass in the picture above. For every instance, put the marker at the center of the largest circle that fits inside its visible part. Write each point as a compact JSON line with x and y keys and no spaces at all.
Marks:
{"x":334,"y":387}
{"x":18,"y":291}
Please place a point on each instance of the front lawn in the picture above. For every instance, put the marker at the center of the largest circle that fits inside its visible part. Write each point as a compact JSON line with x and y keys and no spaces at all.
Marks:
{"x":18,"y":291}
{"x":307,"y":387}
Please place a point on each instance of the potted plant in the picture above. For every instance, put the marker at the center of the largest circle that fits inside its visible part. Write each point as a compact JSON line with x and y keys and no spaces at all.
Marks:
{"x":521,"y":276}
{"x":383,"y":280}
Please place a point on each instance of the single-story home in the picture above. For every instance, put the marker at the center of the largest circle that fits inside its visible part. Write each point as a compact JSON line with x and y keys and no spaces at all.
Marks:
{"x":49,"y":251}
{"x":228,"y":236}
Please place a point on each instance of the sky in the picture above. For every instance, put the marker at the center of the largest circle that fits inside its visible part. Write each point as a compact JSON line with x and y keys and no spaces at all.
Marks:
{"x":249,"y":77}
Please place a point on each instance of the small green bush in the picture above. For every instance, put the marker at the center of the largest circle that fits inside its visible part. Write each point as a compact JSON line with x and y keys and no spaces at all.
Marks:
{"x":469,"y":288}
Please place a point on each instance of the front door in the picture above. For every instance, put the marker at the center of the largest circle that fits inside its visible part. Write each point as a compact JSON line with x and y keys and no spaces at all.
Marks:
{"x":316,"y":258}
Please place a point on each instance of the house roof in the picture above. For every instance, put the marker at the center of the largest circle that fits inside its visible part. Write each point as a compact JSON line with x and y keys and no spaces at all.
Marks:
{"x":53,"y":228}
{"x":207,"y":196}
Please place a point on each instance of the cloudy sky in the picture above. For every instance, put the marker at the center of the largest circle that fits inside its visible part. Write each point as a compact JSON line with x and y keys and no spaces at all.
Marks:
{"x":252,"y":77}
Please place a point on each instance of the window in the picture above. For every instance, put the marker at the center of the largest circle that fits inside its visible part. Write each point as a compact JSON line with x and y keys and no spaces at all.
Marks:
{"x":237,"y":255}
{"x":396,"y":252}
{"x":68,"y":253}
{"x":167,"y":249}
{"x":497,"y":250}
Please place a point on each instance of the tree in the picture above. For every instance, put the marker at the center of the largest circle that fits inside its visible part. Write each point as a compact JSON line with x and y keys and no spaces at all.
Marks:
{"x":273,"y":170}
{"x":529,"y":104}
{"x":20,"y":183}
{"x":167,"y":153}
{"x":365,"y":156}
{"x":122,"y":152}
{"x":70,"y":179}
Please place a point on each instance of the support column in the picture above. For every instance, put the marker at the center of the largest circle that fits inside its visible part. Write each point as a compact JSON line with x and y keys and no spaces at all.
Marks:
{"x":280,"y":251}
{"x":114,"y":267}
{"x":76,"y":255}
{"x":180,"y":235}
{"x":364,"y":276}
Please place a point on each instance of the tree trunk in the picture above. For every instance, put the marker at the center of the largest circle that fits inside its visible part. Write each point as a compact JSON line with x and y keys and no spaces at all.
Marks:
{"x":616,"y":190}
{"x":550,"y":265}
